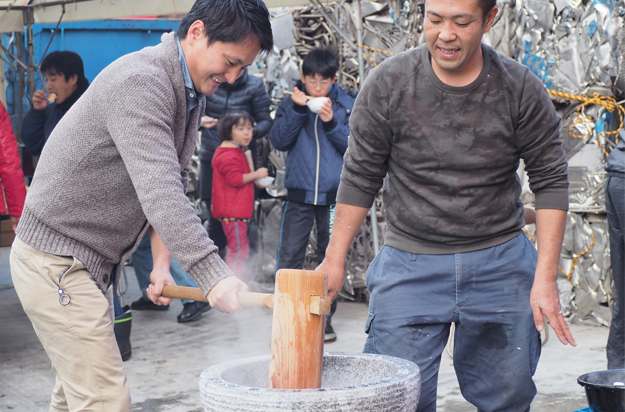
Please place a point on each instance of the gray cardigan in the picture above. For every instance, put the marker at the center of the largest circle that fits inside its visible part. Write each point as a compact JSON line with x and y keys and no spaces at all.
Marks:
{"x":116,"y":163}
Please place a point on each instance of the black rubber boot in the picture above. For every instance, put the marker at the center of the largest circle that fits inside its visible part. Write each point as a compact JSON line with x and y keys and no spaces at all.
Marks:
{"x":122,"y":333}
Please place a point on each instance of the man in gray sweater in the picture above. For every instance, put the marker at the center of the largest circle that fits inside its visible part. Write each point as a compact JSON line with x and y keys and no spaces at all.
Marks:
{"x":441,"y":130}
{"x":114,"y":168}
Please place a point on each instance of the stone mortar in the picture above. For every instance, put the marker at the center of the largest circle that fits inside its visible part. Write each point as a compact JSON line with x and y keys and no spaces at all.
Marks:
{"x":350,"y":382}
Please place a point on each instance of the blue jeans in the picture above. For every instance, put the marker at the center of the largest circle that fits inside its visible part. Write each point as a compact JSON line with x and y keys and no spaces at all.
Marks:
{"x":142,"y":262}
{"x":486,"y":293}
{"x":615,"y":205}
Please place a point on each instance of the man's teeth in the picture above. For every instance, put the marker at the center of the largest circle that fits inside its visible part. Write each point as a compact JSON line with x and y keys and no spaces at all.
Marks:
{"x":448,"y":51}
{"x":216,"y":80}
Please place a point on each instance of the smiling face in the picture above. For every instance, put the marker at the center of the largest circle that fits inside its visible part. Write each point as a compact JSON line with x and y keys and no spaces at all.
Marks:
{"x":453,"y":32}
{"x":209,"y":66}
{"x":242,"y":133}
{"x":56,"y":83}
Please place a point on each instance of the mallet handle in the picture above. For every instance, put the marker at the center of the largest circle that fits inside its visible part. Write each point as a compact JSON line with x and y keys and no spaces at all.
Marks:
{"x":248,"y":299}
{"x":261,"y":300}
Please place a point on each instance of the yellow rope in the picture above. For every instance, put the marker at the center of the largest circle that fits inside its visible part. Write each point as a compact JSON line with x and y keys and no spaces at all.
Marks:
{"x":568,"y":275}
{"x":373,"y":49}
{"x":606,"y":101}
{"x":527,"y":232}
{"x":370,"y":59}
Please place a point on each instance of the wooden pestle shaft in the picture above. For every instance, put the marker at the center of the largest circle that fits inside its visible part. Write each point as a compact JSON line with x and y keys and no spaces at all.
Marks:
{"x":247,"y":299}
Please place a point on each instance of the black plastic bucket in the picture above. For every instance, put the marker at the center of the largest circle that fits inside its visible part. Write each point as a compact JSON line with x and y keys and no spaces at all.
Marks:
{"x":605,"y":390}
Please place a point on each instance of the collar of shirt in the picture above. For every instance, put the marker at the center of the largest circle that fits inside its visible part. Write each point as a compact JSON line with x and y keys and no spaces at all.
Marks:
{"x":191,"y":94}
{"x":244,"y":148}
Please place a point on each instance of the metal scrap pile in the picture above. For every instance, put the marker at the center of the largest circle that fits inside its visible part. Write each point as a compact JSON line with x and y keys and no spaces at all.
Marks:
{"x":570,"y":44}
{"x":390,"y":27}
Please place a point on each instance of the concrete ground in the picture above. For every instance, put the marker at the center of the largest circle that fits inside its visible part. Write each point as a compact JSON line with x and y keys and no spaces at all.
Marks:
{"x":168,"y":357}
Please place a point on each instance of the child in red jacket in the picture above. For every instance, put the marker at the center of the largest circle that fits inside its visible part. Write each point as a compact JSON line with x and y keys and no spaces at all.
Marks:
{"x":11,"y":175}
{"x":233,"y":194}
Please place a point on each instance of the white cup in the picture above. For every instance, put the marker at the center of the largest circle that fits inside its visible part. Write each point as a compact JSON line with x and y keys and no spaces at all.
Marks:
{"x":315,"y":104}
{"x":264,"y":182}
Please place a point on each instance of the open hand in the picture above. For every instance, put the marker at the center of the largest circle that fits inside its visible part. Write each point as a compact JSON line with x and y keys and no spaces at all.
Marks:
{"x":545,"y":301}
{"x":208,"y":122}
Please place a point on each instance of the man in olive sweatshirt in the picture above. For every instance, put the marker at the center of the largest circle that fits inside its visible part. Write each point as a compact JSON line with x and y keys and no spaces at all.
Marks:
{"x":114,"y":168}
{"x":441,"y":129}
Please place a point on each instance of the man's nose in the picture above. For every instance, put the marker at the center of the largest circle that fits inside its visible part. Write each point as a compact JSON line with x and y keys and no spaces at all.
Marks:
{"x":233,"y":75}
{"x":447,"y":32}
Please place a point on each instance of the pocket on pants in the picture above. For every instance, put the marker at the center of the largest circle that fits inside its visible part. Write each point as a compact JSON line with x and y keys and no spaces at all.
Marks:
{"x":535,"y":349}
{"x":57,"y":267}
{"x":20,"y":254}
{"x":372,"y":271}
{"x":370,"y":342}
{"x":368,"y":322}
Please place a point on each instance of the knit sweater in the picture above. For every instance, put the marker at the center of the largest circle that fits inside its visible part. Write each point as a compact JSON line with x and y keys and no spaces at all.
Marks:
{"x":117,"y":163}
{"x":451,"y":153}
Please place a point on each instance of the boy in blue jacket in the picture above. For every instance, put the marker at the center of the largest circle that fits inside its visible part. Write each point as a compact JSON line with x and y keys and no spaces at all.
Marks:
{"x":315,"y":143}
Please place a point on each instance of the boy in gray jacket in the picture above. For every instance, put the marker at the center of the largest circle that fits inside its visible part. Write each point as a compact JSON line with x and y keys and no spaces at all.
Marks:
{"x":114,"y":168}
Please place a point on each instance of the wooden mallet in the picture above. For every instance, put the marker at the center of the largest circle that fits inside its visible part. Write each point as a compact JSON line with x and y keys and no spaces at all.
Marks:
{"x":299,"y":304}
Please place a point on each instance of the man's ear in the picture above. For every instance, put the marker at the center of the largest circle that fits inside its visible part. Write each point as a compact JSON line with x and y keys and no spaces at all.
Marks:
{"x":334,"y":79}
{"x":490,"y":18}
{"x":303,"y":78}
{"x":195,"y":32}
{"x":73,"y":79}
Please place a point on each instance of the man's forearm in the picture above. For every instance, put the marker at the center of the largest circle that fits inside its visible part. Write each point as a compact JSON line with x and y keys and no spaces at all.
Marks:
{"x":544,"y":299}
{"x":160,"y":255}
{"x":550,"y":225}
{"x":347,"y":221}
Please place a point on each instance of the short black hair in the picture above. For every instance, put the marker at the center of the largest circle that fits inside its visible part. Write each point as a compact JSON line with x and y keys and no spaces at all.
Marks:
{"x":322,"y":61}
{"x":230,"y":21}
{"x":66,"y":62}
{"x":487,"y":6}
{"x":230,"y":119}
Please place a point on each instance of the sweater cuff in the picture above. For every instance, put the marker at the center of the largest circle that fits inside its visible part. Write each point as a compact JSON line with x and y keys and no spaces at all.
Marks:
{"x":329,"y":125}
{"x":354,"y":196}
{"x":208,"y":272}
{"x":299,"y":109}
{"x":553,"y":198}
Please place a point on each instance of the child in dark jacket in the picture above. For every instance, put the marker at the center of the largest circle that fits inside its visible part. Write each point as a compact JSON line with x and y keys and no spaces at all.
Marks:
{"x":232,"y":199}
{"x":316,"y":139}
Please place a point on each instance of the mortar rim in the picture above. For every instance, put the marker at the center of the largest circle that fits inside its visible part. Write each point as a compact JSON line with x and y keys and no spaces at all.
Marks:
{"x":407,"y":371}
